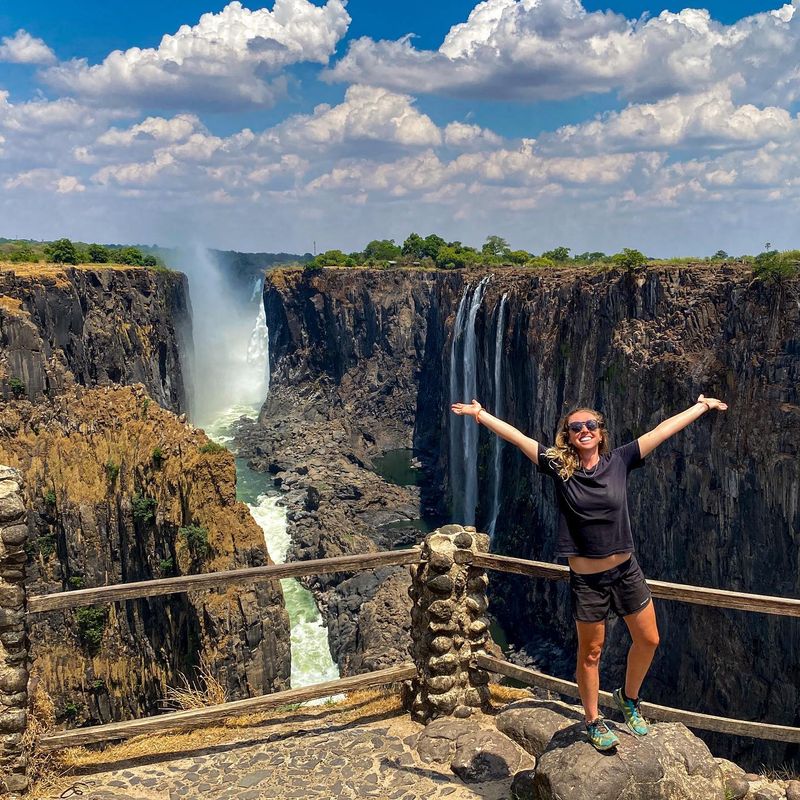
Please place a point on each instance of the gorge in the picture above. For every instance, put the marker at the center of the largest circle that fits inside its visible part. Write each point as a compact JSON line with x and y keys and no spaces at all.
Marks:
{"x":363,"y":361}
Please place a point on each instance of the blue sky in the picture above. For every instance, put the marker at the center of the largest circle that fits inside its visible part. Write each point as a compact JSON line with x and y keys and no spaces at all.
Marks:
{"x":270,"y":126}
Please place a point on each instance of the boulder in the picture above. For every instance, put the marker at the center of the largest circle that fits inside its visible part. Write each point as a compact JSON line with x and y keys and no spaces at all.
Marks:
{"x":476,"y":754}
{"x":668,"y":764}
{"x":533,"y":723}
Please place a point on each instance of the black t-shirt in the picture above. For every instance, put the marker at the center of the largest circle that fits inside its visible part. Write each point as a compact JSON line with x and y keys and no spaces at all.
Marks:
{"x":593,"y":504}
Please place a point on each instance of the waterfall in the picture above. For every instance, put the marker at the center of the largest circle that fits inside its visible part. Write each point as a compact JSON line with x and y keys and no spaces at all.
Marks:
{"x":455,"y":452}
{"x":258,"y":351}
{"x":464,"y":459}
{"x":497,"y":444}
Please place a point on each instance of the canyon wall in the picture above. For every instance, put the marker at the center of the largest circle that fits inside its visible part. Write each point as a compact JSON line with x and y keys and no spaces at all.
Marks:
{"x":118,"y":489}
{"x":717,"y":505}
{"x":63,"y":325}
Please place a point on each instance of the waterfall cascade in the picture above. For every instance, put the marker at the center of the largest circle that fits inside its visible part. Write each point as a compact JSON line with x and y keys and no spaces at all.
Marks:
{"x":464,"y":458}
{"x":233,"y":381}
{"x":497,"y":444}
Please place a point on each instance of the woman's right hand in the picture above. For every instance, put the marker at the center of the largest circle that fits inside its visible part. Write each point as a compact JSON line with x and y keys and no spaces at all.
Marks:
{"x":467,"y":409}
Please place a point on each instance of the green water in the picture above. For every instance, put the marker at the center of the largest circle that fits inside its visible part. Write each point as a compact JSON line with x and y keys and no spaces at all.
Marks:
{"x":394,"y":466}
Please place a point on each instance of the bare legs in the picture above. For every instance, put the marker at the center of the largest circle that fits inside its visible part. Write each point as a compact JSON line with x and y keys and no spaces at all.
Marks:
{"x":644,"y":633}
{"x":591,"y":635}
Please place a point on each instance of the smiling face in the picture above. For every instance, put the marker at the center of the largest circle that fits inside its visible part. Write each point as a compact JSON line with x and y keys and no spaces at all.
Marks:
{"x":585,"y":441}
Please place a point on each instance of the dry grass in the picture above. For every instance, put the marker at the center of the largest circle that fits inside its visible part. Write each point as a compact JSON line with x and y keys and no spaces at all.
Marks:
{"x":356,"y":707}
{"x":209,"y":692}
{"x":43,"y":269}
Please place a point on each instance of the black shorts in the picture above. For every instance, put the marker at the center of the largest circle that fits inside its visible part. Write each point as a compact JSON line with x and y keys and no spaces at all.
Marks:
{"x":621,"y":589}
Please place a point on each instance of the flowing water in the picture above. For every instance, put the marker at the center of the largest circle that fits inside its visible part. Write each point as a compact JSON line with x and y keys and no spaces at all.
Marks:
{"x":232,"y":381}
{"x":464,"y":354}
{"x":497,"y":444}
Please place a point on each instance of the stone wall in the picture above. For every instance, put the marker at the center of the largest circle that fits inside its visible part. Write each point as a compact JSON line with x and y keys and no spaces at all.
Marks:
{"x":449,"y":625}
{"x":13,"y":638}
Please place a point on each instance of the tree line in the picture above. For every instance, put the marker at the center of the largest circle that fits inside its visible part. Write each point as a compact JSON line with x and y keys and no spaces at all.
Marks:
{"x":65,"y":251}
{"x":434,"y":251}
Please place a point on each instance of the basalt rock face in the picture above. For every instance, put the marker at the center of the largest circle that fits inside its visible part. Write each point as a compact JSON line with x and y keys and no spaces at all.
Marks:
{"x":717,"y":505}
{"x":77,"y":325}
{"x":119,"y":490}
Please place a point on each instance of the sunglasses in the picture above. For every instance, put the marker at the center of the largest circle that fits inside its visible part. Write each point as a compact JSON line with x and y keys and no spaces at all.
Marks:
{"x":591,"y":425}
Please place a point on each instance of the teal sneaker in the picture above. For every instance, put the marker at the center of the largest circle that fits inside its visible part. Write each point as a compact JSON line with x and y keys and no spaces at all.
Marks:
{"x":600,"y":735}
{"x":630,"y":710}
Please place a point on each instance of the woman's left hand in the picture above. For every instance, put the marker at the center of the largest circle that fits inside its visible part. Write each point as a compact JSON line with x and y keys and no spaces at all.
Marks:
{"x":713,"y":403}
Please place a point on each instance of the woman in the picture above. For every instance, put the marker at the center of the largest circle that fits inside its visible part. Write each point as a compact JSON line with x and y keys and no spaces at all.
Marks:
{"x":595,"y":536}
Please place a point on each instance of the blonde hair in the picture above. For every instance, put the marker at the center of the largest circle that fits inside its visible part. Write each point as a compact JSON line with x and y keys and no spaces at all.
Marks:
{"x":563,"y":454}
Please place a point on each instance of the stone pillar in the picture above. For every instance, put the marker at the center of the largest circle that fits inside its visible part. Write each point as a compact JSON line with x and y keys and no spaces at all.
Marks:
{"x":449,"y":625}
{"x":13,"y":638}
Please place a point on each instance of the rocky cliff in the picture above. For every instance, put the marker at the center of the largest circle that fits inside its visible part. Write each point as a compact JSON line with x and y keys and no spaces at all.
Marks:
{"x":717,"y":505}
{"x":120,"y":489}
{"x":94,"y":326}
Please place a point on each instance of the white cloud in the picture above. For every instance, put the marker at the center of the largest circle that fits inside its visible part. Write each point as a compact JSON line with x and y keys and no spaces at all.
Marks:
{"x":228,"y":60}
{"x":470,"y":137}
{"x":22,"y":48}
{"x":366,"y":114}
{"x":707,"y":119}
{"x":153,"y":129}
{"x":40,"y":116}
{"x":552,"y":49}
{"x":45,"y":180}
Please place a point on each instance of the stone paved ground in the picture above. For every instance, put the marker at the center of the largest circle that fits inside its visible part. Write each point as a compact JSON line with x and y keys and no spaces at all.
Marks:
{"x":315,"y":760}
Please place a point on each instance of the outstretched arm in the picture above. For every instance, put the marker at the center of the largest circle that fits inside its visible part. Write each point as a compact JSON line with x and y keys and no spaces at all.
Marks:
{"x":669,"y":427}
{"x":505,"y":431}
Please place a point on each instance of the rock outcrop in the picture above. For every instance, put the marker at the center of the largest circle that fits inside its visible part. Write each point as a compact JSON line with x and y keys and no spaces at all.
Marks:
{"x":92,"y":326}
{"x":119,"y":490}
{"x":718,"y":505}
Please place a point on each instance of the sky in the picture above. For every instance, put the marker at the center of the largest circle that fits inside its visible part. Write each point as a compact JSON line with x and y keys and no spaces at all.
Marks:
{"x":303,"y":126}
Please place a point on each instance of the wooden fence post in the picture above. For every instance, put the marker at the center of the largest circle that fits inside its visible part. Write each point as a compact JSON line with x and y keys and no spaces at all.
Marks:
{"x":449,"y":625}
{"x":13,"y":637}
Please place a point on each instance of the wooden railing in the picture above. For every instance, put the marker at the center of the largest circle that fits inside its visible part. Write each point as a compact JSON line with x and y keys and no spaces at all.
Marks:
{"x":781,"y":606}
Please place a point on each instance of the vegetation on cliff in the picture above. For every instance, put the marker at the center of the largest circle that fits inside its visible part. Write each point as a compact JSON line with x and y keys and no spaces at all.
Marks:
{"x":103,"y":510}
{"x":433,"y":251}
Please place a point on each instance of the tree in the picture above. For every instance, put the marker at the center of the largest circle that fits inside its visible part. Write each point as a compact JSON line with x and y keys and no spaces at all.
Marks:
{"x":432,"y":245}
{"x":629,"y":259}
{"x":495,"y":246}
{"x":382,"y":250}
{"x":414,"y":246}
{"x":331,"y":258}
{"x":720,"y":255}
{"x":97,"y":254}
{"x":518,"y":256}
{"x":590,"y":256}
{"x":131,"y":256}
{"x":62,"y":251}
{"x":557,"y":254}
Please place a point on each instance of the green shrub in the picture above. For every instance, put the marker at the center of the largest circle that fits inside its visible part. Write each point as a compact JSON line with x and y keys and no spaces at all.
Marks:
{"x":166,"y":567}
{"x":145,"y":407}
{"x":774,"y":266}
{"x":50,"y":497}
{"x":71,"y":709}
{"x":17,"y":387}
{"x":44,"y":545}
{"x":97,"y":254}
{"x":557,"y":254}
{"x":91,"y":621}
{"x":196,"y":539}
{"x":76,"y":582}
{"x":629,"y":259}
{"x":112,"y":470}
{"x":540,"y":262}
{"x":212,"y":447}
{"x":61,"y":251}
{"x":157,"y":456}
{"x":144,"y":509}
{"x":24,"y":254}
